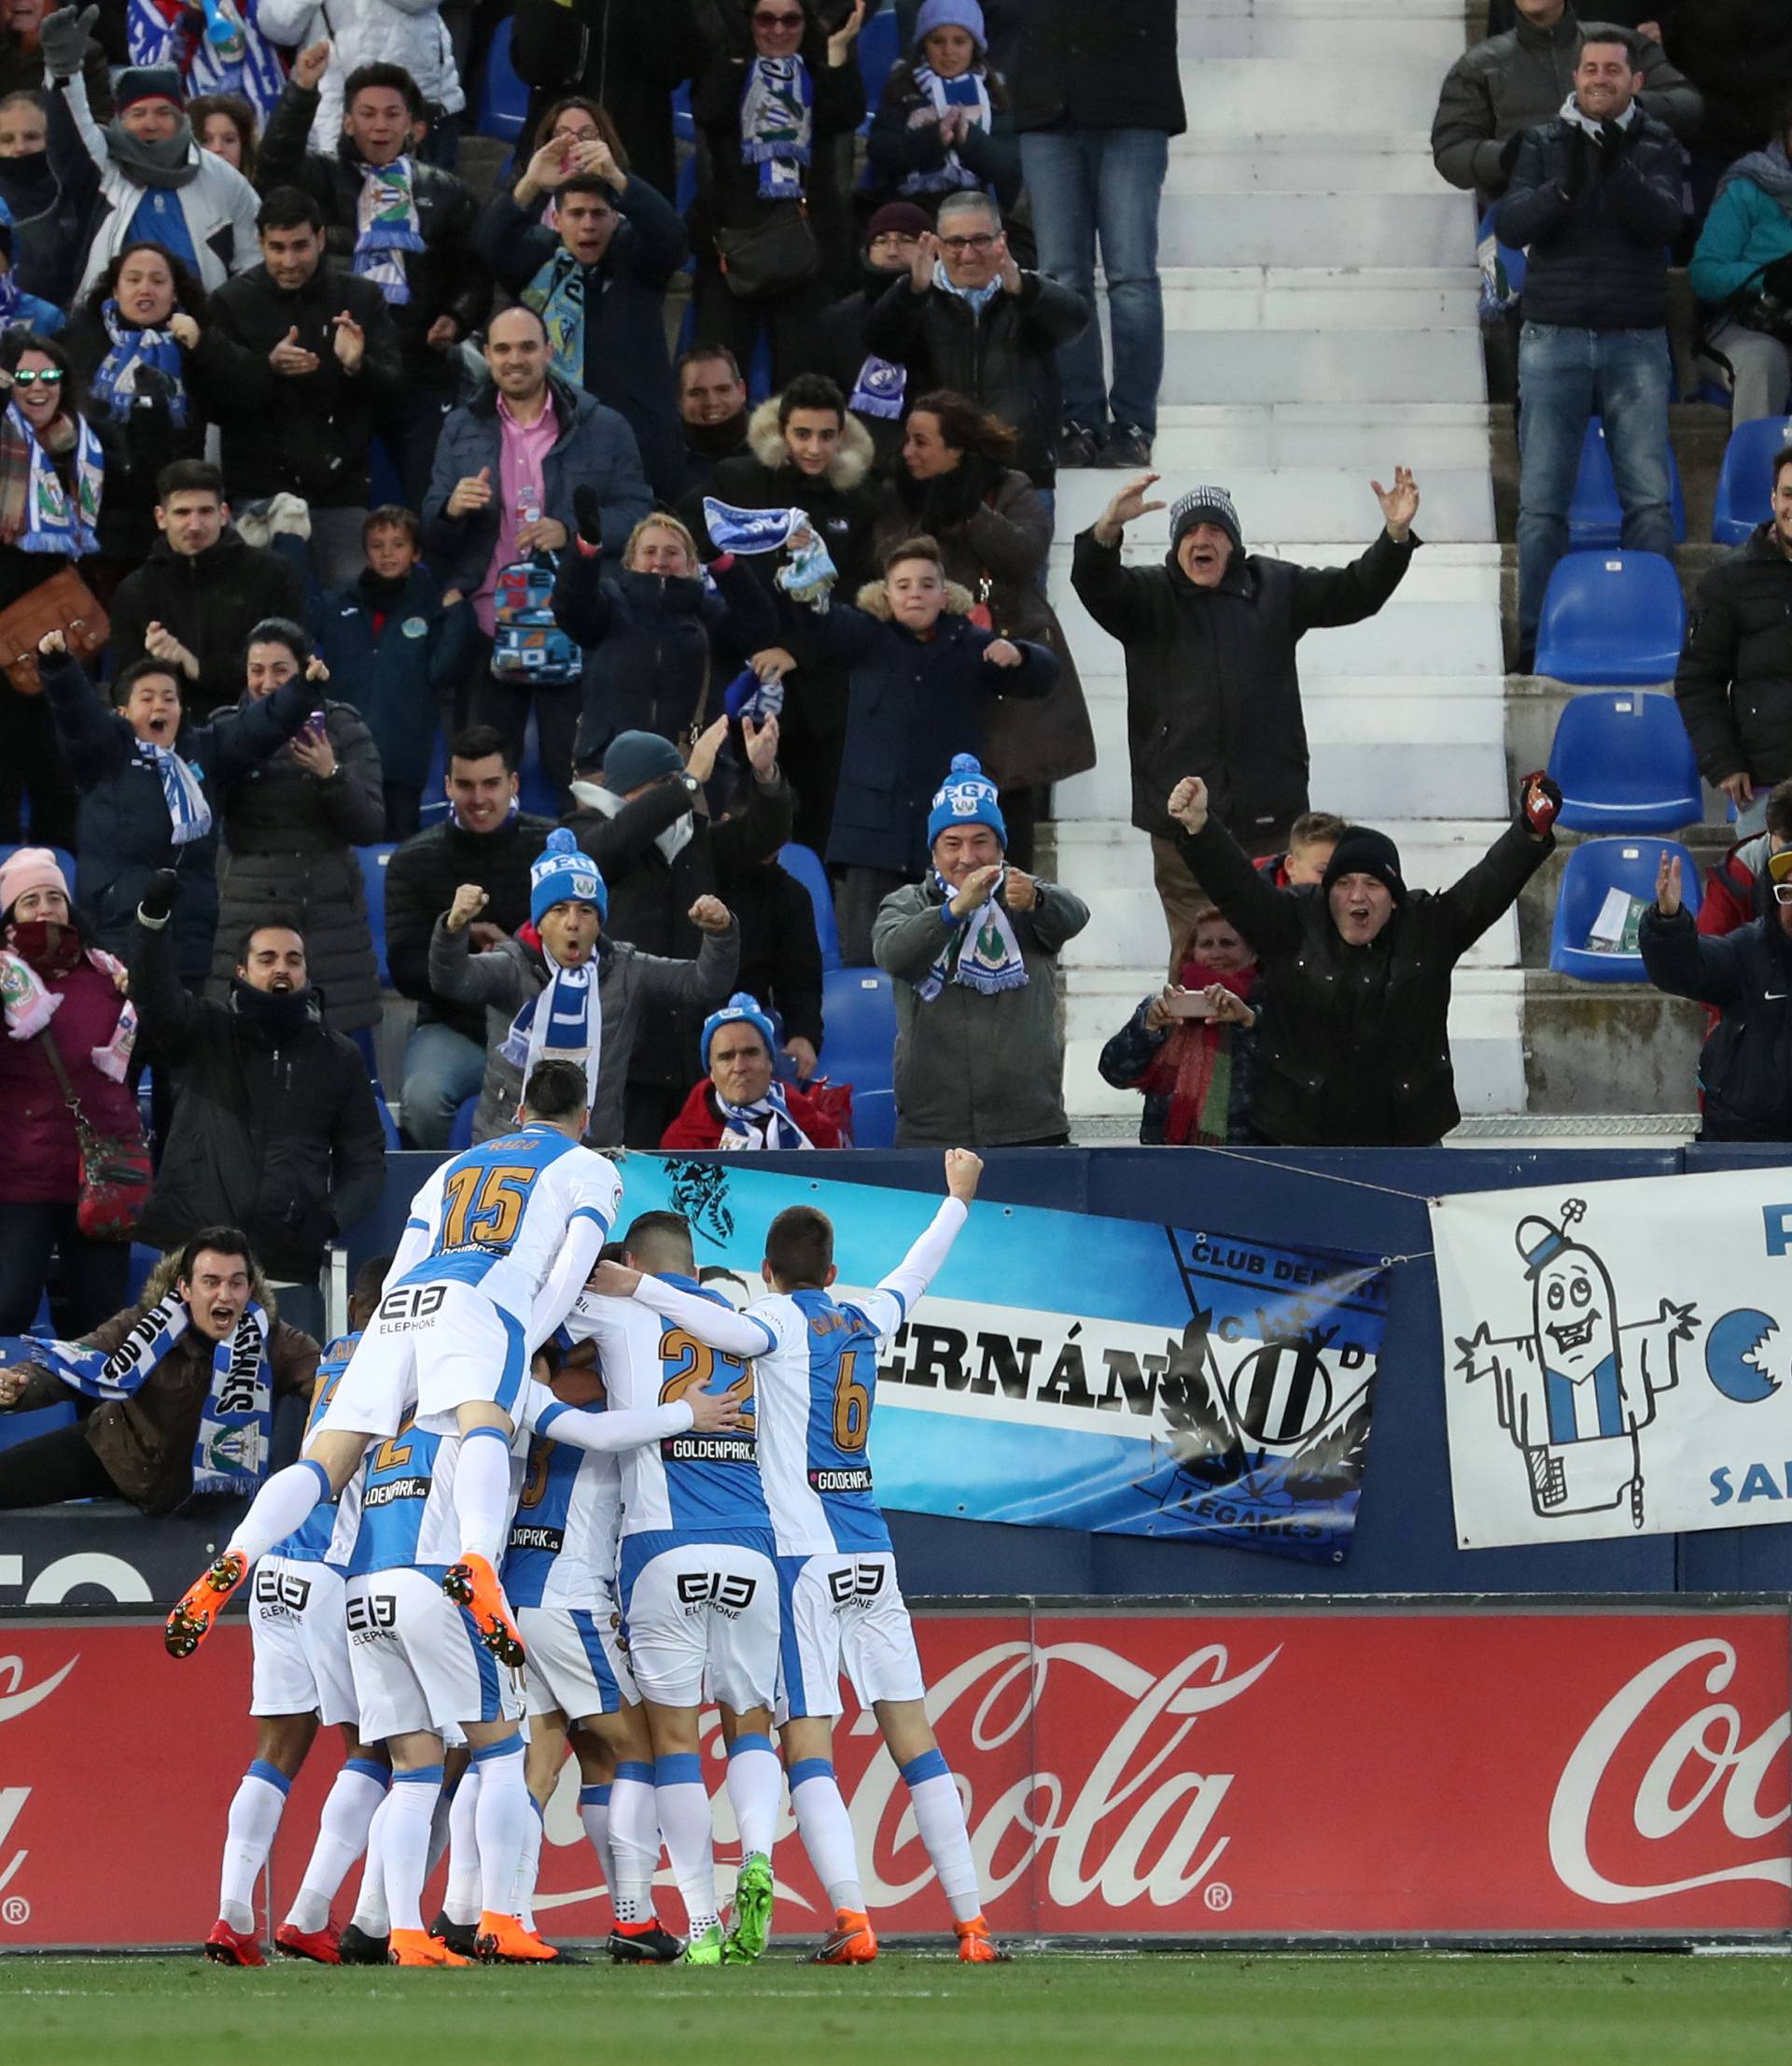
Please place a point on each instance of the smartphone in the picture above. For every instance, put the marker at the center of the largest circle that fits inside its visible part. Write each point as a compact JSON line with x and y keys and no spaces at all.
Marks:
{"x":1187,"y":1004}
{"x":316,"y":725}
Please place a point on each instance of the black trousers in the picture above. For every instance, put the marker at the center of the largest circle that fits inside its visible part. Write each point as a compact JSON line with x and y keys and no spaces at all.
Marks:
{"x":88,"y":1280}
{"x":50,"y":1469}
{"x":557,"y":724}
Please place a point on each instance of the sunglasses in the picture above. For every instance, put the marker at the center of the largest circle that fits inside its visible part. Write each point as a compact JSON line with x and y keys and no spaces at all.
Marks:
{"x":777,"y":20}
{"x":51,"y":376}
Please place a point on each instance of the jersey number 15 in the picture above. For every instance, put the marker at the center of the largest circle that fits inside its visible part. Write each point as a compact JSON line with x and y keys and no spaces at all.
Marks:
{"x":485,"y":1206}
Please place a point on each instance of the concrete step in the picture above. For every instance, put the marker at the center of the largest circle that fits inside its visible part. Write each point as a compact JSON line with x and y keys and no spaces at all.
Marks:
{"x":1335,"y":39}
{"x":1286,"y":365}
{"x":1313,"y":227}
{"x":1276,"y":503}
{"x":1384,"y":89}
{"x":1365,"y":440}
{"x":1347,"y":161}
{"x":1407,"y":645}
{"x":1321,"y":298}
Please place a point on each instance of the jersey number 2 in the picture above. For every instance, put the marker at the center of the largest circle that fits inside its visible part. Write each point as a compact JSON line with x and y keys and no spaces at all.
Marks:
{"x":486,"y":1206}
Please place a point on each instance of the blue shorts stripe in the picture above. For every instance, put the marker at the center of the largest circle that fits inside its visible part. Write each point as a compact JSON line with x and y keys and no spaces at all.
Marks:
{"x":486,"y":1666}
{"x":682,"y":1768}
{"x":930,"y":1764}
{"x":269,"y":1775}
{"x":585,"y":1624}
{"x":516,"y":1361}
{"x":790,"y":1652}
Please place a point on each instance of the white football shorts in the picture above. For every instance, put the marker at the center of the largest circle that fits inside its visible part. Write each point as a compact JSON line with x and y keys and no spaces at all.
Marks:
{"x":700,"y":1618}
{"x":576,"y":1660}
{"x":842,"y":1612}
{"x":301,"y":1642}
{"x":417,"y":1661}
{"x":437,"y":1346}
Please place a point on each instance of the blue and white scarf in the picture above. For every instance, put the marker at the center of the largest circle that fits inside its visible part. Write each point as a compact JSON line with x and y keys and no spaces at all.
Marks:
{"x":981,"y":950}
{"x":190,"y":816}
{"x":978,"y":297}
{"x":562,"y":1022}
{"x":879,"y":389}
{"x":777,"y":124}
{"x":115,"y":379}
{"x":385,"y":228}
{"x":10,"y":297}
{"x":558,"y":296}
{"x":736,"y":530}
{"x":235,"y":1425}
{"x":51,"y":524}
{"x":766,"y":1123}
{"x":968,"y":91}
{"x":809,"y":575}
{"x":232,"y":56}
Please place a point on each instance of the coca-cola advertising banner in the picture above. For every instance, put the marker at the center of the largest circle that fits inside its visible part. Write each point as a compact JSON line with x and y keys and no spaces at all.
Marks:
{"x":1607,"y":1377}
{"x":1072,"y":1371}
{"x":1185,"y":1772}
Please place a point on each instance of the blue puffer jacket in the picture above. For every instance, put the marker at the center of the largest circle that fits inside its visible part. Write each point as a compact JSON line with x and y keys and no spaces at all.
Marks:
{"x":594,"y":448}
{"x":123,"y":825}
{"x":394,"y":675}
{"x":652,"y":641}
{"x":1744,"y":234}
{"x":1596,"y":233}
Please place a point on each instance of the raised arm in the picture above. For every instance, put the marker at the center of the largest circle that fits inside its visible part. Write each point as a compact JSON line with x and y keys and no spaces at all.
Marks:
{"x":710,"y":1321}
{"x":1268,"y":918}
{"x":1491,"y":885}
{"x":95,"y":741}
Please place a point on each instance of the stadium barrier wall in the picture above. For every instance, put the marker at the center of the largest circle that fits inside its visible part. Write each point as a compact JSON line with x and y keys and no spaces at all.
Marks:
{"x":1179,"y":1769}
{"x":1405,"y":1537}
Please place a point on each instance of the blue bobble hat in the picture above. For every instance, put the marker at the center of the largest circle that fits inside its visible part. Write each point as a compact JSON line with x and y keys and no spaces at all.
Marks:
{"x":562,"y":875}
{"x":742,"y":1009}
{"x":950,"y":14}
{"x":966,"y":797}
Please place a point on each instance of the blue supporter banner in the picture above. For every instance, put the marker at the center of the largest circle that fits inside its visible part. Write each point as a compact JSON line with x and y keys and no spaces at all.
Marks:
{"x":1071,"y":1371}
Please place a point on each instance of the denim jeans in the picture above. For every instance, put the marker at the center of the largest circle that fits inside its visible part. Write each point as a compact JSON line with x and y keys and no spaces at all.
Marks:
{"x":1104,"y":183}
{"x":442,"y":1069}
{"x":1566,"y":376}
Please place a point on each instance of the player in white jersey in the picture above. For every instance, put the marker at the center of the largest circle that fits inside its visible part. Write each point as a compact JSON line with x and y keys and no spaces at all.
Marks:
{"x":840,"y":1604}
{"x":497,"y":1247}
{"x":301,"y":1677}
{"x":420,"y":1667}
{"x":696,"y":1579}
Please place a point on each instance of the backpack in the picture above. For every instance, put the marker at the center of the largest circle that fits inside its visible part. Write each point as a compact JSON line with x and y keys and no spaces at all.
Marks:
{"x":528,"y":645}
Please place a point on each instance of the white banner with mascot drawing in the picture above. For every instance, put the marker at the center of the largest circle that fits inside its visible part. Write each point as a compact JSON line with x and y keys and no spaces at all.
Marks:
{"x":1615,"y":1358}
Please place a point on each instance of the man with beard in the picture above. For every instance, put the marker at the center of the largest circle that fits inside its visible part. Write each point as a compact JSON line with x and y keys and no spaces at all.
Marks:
{"x":275,"y":1128}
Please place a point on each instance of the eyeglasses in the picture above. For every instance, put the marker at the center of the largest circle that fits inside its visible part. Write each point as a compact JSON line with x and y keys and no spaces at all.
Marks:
{"x":766,"y":21}
{"x":1783,"y":893}
{"x":51,"y":376}
{"x":959,"y":246}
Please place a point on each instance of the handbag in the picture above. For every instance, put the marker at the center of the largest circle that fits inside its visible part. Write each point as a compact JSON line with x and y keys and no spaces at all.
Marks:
{"x":63,"y":603}
{"x":836,"y":1101}
{"x":774,"y":253}
{"x":117,"y":1175}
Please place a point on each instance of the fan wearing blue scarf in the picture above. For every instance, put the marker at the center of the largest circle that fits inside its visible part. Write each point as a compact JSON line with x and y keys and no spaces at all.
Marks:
{"x":568,"y":906}
{"x":751,"y":1103}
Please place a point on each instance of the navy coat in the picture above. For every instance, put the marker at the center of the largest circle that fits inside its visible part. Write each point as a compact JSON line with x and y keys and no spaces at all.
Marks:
{"x":394,"y":676}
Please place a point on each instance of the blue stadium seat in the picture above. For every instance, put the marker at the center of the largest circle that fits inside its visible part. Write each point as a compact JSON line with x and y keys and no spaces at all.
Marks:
{"x":374,"y":862}
{"x":1511,"y":255}
{"x":1625,"y":764}
{"x":434,"y":807}
{"x":42,"y":1420}
{"x":533,"y":787}
{"x":880,"y":45}
{"x":388,"y":1126}
{"x":1611,"y":620}
{"x":1594,"y":516}
{"x":460,"y":1135}
{"x":858,"y":1016}
{"x":805,"y":864}
{"x":503,"y":98}
{"x":1745,"y":488}
{"x":684,"y":124}
{"x":873,"y":1118}
{"x":1595,"y":869}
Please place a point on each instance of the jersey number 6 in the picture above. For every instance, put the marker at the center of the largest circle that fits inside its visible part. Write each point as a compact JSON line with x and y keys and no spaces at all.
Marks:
{"x":851,"y":1406}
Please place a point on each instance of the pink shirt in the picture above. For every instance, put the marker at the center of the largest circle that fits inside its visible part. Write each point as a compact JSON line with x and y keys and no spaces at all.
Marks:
{"x":523,"y":451}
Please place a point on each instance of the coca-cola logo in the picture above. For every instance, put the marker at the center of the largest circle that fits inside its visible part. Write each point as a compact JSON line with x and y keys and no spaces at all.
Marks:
{"x":1701,"y":1754}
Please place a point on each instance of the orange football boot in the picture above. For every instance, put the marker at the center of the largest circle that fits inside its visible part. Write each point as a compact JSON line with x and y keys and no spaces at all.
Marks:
{"x":418,"y":1947}
{"x":473,"y":1585}
{"x":203,"y":1602}
{"x":976,"y":1947}
{"x":503,"y":1940}
{"x":853,"y":1941}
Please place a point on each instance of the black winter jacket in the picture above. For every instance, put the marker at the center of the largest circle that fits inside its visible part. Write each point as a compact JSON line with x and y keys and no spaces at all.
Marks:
{"x":1734,"y":683}
{"x":278,"y":1134}
{"x":1353,"y":1042}
{"x":421,"y":879}
{"x":1212,"y":687}
{"x":303,"y":434}
{"x":445,"y":278}
{"x":210,"y":602}
{"x":124,"y":833}
{"x":1745,"y":1070}
{"x":1003,"y":356}
{"x":1596,"y":231}
{"x":780,"y":951}
{"x":1104,"y":66}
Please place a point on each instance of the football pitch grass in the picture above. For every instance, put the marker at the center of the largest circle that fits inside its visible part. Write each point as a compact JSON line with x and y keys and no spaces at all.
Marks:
{"x":919,"y":2009}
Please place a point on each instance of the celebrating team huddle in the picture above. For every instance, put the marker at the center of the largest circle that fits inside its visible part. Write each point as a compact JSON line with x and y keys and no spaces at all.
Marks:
{"x":682,"y":1514}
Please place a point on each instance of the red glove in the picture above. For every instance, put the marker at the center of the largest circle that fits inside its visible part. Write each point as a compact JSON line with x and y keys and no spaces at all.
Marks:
{"x":1540,"y":799}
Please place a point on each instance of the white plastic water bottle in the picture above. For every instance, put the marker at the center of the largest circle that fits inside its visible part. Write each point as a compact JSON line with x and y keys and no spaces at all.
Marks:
{"x":529,"y":503}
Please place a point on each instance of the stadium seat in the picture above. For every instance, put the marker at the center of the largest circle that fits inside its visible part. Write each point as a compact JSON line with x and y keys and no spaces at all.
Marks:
{"x":434,"y":807}
{"x":1594,"y":870}
{"x":879,"y":47}
{"x":533,"y":789}
{"x":859,"y":1012}
{"x":503,"y":98}
{"x":1512,"y":257}
{"x":684,"y":124}
{"x":1625,"y":764}
{"x":1594,"y":515}
{"x":805,"y":864}
{"x":1611,"y":620}
{"x":460,"y":1134}
{"x":1745,"y":488}
{"x":374,"y":862}
{"x":41,"y":1420}
{"x":873,"y":1118}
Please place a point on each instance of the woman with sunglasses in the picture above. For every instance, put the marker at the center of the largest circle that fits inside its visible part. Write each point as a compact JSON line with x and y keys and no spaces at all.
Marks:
{"x":771,"y":225}
{"x":51,"y":469}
